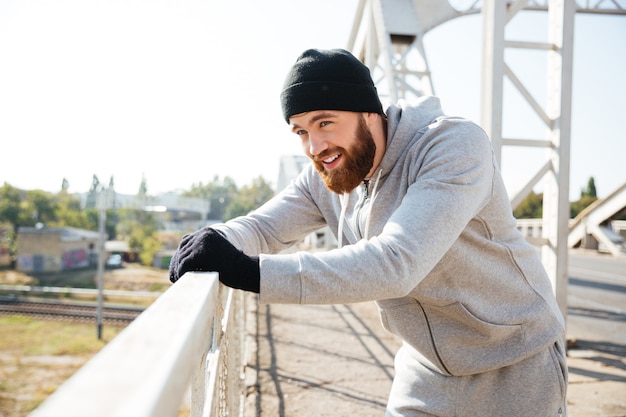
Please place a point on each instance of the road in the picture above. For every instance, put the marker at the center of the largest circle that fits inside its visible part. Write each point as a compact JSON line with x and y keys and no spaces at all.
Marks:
{"x":597,"y":297}
{"x":596,"y":324}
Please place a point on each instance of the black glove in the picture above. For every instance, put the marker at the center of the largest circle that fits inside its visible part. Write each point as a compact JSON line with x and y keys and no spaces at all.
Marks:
{"x":208,"y":250}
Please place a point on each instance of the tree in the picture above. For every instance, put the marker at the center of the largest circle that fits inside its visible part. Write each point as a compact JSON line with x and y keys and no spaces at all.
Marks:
{"x":68,"y":213}
{"x":150,"y":245}
{"x":20,"y":208}
{"x":39,"y":206}
{"x":93,"y":193}
{"x":139,"y":229}
{"x":250,"y":198}
{"x":142,"y":199}
{"x":142,"y":193}
{"x":530,"y":208}
{"x":10,"y":199}
{"x":219,"y":193}
{"x":111,"y":198}
{"x":25,"y":208}
{"x":590,"y":191}
{"x":587,"y":197}
{"x":65,"y":185}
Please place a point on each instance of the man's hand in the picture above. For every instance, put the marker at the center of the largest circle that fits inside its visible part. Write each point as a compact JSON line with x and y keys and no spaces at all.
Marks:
{"x":208,"y":250}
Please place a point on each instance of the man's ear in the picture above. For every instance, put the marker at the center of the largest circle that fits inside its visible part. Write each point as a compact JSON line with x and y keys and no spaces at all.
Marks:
{"x":371,"y":118}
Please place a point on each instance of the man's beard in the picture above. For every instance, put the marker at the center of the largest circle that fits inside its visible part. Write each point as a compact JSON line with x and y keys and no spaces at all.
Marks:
{"x":357,"y":162}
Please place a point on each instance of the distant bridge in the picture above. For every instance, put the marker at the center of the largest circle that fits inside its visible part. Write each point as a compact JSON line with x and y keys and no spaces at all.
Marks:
{"x":593,"y":228}
{"x":594,"y":221}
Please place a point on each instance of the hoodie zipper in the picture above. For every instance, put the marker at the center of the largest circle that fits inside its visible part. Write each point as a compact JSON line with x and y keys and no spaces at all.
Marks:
{"x":360,"y":209}
{"x":358,"y":222}
{"x":355,"y":223}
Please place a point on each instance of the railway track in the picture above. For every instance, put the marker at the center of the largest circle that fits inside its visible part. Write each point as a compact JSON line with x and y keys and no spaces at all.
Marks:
{"x":75,"y":312}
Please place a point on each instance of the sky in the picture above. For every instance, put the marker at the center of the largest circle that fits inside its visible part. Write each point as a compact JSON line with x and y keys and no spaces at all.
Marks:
{"x":178,"y":92}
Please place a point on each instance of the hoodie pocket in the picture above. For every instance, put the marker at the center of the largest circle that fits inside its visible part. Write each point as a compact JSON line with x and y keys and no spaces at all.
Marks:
{"x":452,"y":337}
{"x":405,"y":318}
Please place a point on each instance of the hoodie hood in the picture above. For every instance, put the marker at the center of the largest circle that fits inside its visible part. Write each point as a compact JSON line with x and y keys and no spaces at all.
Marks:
{"x":404,"y":122}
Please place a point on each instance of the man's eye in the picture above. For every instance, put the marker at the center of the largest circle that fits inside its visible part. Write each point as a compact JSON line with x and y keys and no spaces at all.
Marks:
{"x":300,"y":132}
{"x":324,"y":123}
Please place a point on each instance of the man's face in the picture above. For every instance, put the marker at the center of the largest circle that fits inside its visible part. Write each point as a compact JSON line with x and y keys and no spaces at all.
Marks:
{"x":339,"y":143}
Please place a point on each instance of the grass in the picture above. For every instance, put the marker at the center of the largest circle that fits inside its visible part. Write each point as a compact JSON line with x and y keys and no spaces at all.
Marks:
{"x":29,"y":337}
{"x":37,"y":356}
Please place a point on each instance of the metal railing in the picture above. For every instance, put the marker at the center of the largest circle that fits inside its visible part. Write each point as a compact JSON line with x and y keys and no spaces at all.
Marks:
{"x":192,"y":338}
{"x":68,"y":291}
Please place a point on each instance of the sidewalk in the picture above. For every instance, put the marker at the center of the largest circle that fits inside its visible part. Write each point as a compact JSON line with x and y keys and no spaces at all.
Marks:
{"x":337,"y":360}
{"x":597,"y":380}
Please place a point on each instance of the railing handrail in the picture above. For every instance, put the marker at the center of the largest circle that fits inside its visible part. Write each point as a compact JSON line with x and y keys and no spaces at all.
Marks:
{"x":146,"y":370}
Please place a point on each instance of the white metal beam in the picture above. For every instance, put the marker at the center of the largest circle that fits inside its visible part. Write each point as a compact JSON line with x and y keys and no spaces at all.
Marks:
{"x":559,"y":104}
{"x":387,"y":35}
{"x":492,"y":82}
{"x":556,"y":116}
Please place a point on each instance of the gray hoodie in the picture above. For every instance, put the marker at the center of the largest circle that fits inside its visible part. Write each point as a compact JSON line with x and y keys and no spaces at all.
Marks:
{"x":434,"y":243}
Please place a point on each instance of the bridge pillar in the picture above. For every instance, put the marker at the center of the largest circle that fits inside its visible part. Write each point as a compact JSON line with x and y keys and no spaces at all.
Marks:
{"x":556,"y":116}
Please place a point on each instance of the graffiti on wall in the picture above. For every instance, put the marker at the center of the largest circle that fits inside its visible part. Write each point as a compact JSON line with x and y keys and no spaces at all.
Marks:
{"x":75,"y":259}
{"x":72,"y":259}
{"x":25,"y":263}
{"x":37,"y":263}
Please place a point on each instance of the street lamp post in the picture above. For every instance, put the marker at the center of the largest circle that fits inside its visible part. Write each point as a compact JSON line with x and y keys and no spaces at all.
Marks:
{"x":100,"y":276}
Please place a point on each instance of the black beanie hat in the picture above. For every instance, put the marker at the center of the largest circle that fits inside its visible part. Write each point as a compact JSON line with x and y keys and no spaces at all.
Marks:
{"x":329,"y":80}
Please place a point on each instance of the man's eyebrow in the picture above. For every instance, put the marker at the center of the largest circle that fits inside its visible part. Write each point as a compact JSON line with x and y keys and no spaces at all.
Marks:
{"x":324,"y":115}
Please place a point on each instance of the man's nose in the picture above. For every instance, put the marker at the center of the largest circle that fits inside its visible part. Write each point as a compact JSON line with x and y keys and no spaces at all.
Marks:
{"x":317,"y":144}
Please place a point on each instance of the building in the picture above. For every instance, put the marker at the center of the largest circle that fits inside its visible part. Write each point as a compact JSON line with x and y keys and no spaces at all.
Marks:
{"x":290,"y":167}
{"x":42,"y":249}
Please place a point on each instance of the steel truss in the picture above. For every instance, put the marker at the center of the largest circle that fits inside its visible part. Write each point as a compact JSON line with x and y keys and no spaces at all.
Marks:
{"x":387,"y":35}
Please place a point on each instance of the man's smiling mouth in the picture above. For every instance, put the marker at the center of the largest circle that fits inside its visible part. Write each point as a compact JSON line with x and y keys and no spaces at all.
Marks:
{"x":332,"y":161}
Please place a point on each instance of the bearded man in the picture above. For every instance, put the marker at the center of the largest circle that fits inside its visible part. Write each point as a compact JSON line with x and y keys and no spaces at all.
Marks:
{"x":424,"y":228}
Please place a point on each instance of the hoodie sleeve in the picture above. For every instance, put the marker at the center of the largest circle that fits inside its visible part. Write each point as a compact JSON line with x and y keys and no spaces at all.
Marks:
{"x":280,"y":223}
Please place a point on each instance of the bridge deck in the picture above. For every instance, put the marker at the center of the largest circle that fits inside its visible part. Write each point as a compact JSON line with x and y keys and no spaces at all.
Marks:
{"x":337,"y":360}
{"x":321,"y":360}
